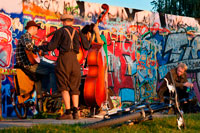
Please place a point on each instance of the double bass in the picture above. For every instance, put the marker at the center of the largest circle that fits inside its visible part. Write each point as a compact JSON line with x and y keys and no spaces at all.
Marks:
{"x":95,"y":91}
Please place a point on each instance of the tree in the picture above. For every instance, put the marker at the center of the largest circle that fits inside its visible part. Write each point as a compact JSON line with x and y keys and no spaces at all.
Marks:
{"x":189,"y":8}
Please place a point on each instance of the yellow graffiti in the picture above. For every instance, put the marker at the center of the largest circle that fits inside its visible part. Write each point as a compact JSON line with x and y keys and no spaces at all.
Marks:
{"x":5,"y":71}
{"x":35,"y":10}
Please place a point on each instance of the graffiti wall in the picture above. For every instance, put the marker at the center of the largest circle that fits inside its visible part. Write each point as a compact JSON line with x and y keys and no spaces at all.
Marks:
{"x":142,"y":46}
{"x":11,"y":28}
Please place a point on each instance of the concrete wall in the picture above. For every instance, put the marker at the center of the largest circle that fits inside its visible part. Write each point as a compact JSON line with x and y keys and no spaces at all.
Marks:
{"x":142,"y":46}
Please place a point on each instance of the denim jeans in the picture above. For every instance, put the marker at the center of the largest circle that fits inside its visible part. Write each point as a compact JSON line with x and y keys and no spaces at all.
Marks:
{"x":47,"y":71}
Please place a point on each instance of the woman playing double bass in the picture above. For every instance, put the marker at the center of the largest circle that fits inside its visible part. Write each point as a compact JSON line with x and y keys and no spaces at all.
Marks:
{"x":93,"y":35}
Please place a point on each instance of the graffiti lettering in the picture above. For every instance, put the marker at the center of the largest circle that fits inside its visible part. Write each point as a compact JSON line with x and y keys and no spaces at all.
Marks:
{"x":174,"y":43}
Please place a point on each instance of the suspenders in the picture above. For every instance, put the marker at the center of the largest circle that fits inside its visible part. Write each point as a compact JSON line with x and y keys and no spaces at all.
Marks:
{"x":71,"y":37}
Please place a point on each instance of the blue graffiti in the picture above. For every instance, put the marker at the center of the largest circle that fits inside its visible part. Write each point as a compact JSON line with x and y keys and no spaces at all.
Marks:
{"x":7,"y":107}
{"x":127,"y":95}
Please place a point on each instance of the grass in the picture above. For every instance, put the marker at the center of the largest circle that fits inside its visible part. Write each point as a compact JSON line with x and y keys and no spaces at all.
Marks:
{"x":157,"y":125}
{"x":44,"y":115}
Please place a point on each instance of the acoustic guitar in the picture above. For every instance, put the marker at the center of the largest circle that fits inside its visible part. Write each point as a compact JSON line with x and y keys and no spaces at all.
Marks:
{"x":34,"y":58}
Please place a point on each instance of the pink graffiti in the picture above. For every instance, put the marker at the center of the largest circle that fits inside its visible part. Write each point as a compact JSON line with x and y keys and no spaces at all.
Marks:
{"x":5,"y":40}
{"x":114,"y":47}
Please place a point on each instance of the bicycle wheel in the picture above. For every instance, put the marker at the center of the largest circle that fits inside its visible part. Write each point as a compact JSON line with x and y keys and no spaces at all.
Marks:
{"x":20,"y":109}
{"x":115,"y":120}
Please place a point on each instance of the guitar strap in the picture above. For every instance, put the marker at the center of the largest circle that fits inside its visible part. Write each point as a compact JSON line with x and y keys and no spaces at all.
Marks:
{"x":71,"y":37}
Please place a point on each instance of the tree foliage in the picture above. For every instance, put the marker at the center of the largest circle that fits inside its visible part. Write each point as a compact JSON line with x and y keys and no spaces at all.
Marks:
{"x":189,"y":8}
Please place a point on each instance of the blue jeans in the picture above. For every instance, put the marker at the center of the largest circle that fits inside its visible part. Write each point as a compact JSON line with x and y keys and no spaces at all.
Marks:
{"x":47,"y":71}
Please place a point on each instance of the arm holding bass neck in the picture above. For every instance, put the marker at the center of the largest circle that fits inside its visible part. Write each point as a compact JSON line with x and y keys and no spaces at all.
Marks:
{"x":97,"y":34}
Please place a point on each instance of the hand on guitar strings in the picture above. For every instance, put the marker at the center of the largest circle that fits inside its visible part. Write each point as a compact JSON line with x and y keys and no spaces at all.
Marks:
{"x":39,"y":51}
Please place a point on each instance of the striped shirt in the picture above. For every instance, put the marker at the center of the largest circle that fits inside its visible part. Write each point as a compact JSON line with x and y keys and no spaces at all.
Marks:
{"x":24,"y":43}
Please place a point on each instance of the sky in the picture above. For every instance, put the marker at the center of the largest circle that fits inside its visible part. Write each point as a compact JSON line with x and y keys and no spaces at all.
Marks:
{"x":136,"y":4}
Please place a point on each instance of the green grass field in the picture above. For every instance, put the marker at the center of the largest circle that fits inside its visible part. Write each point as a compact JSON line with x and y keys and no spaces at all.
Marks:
{"x":160,"y":125}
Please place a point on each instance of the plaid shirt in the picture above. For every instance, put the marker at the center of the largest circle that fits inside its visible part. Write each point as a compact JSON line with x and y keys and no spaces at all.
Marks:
{"x":24,"y":43}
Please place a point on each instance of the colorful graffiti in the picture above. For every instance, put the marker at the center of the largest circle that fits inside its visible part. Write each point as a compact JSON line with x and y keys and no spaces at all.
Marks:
{"x":10,"y":30}
{"x":5,"y":40}
{"x":142,"y":46}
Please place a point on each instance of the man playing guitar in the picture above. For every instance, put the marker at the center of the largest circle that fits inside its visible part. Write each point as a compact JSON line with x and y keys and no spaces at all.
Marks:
{"x":26,"y":46}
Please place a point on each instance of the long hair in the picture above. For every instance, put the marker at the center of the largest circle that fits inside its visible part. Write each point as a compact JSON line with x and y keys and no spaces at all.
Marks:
{"x":88,"y":28}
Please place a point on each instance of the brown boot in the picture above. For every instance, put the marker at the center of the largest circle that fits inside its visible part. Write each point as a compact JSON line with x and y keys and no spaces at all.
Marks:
{"x":75,"y":113}
{"x":66,"y":115}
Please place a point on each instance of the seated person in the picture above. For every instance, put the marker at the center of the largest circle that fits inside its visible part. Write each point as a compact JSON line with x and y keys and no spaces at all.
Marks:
{"x":26,"y":43}
{"x":179,"y":76}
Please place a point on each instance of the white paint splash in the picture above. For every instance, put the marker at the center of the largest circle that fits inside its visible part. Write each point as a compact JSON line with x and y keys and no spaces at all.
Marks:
{"x":11,"y":6}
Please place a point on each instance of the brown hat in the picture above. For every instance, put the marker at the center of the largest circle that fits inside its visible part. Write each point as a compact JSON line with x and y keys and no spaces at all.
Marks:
{"x":31,"y":23}
{"x":66,"y":16}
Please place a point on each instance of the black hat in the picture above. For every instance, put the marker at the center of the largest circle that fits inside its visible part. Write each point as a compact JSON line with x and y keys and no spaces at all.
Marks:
{"x":31,"y":23}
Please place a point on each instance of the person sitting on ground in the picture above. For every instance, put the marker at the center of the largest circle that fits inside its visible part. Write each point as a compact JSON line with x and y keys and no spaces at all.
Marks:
{"x":179,"y":76}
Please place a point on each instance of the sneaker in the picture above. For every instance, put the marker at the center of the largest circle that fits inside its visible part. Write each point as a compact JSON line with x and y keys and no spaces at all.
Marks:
{"x":65,"y":116}
{"x":100,"y":115}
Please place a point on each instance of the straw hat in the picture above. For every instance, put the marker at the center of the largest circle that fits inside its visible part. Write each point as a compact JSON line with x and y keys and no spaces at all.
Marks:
{"x":66,"y":16}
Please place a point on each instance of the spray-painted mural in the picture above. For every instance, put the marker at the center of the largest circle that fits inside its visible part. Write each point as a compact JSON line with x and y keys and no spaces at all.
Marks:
{"x":142,"y":46}
{"x":11,"y":28}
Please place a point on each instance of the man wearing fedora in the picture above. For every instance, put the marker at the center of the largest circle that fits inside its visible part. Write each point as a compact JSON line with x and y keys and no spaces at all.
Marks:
{"x":43,"y":68}
{"x":68,"y":73}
